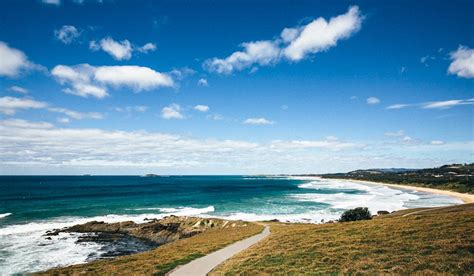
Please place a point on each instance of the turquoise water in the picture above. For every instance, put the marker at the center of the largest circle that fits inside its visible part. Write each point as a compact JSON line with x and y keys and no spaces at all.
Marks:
{"x":31,"y":205}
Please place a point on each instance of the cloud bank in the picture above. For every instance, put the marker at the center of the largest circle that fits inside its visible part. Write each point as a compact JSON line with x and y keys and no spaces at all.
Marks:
{"x":29,"y":147}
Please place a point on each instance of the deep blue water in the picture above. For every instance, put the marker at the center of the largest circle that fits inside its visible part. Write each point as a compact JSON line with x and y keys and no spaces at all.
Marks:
{"x":41,"y":197}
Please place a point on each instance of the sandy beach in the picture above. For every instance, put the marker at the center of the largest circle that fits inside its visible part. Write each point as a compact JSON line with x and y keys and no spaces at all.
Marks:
{"x":466,"y":198}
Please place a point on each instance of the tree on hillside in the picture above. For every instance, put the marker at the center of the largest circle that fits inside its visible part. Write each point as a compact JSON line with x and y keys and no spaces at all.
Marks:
{"x":359,"y":213}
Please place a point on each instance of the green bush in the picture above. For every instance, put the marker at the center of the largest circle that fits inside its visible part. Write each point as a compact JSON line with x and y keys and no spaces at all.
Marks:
{"x":359,"y":213}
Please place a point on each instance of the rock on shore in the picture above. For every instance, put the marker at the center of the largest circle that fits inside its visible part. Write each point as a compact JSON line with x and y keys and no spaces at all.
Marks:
{"x":128,"y":237}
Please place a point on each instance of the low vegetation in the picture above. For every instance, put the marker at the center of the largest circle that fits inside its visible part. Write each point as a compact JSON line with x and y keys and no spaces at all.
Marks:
{"x":166,"y":257}
{"x":454,"y":177}
{"x":422,"y":241}
{"x":359,"y":213}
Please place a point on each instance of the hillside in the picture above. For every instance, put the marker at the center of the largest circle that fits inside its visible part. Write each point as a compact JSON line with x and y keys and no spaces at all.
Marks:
{"x":455,"y":177}
{"x":438,"y":240}
{"x":423,"y":240}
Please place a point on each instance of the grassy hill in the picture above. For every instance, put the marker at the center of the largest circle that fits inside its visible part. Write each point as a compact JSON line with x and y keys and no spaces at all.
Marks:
{"x":439,"y":240}
{"x":454,"y":177}
{"x":423,"y":240}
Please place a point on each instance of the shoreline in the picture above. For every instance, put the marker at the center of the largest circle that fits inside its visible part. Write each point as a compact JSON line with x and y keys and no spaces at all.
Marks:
{"x":466,"y":198}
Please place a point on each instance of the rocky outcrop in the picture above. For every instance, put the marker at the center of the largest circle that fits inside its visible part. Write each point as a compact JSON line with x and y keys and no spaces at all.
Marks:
{"x":156,"y":231}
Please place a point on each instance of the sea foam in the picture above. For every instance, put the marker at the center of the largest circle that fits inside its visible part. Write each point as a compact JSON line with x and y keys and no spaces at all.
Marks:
{"x":28,"y":250}
{"x":376,"y":197}
{"x":5,"y":215}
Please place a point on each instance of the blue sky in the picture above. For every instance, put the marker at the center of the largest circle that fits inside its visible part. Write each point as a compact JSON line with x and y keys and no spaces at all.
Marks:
{"x":234,"y":87}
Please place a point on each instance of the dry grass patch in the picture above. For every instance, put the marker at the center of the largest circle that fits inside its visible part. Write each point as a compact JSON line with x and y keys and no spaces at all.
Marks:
{"x":440,"y":240}
{"x":166,"y":257}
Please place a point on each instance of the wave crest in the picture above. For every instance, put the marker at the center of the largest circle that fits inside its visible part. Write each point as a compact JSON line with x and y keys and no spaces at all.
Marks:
{"x":5,"y":215}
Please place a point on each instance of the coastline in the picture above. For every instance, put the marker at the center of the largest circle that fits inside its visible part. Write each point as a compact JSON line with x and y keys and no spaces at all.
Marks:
{"x":466,"y":198}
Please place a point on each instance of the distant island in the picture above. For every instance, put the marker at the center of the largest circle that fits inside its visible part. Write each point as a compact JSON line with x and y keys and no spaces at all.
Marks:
{"x":454,"y":177}
{"x":151,"y":175}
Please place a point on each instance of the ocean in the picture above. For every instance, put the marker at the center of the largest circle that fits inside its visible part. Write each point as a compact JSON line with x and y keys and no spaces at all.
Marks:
{"x":32,"y":205}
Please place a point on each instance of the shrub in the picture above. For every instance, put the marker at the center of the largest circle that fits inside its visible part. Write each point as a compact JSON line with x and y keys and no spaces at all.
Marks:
{"x":359,"y":213}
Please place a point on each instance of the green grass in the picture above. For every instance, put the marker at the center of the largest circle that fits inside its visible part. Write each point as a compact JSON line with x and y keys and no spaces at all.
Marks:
{"x":437,"y":241}
{"x":162,"y":269}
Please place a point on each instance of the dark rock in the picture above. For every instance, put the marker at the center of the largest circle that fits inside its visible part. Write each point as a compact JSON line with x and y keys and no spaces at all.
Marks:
{"x":383,"y":213}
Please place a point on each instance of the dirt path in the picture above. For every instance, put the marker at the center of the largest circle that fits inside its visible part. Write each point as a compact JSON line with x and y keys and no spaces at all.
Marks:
{"x":204,"y":265}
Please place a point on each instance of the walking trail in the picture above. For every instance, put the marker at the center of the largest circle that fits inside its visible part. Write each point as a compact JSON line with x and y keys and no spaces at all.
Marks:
{"x":202,"y":266}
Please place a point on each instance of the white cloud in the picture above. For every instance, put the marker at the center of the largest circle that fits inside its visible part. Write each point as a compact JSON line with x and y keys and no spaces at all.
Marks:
{"x":18,"y":89}
{"x":137,"y":77}
{"x":437,"y":142}
{"x":462,"y":62}
{"x":120,"y":50}
{"x":58,"y":2}
{"x":373,"y":100}
{"x":400,"y":137}
{"x":320,"y":35}
{"x":136,"y":108}
{"x":435,"y":105}
{"x":19,"y":123}
{"x":149,"y":47}
{"x":10,"y":105}
{"x":13,"y":61}
{"x":398,"y":106}
{"x":258,"y":121}
{"x":289,"y":34}
{"x":201,"y":108}
{"x":75,"y":114}
{"x":407,"y":140}
{"x":427,"y":58}
{"x":67,"y":34}
{"x":80,"y":79}
{"x":215,"y":117}
{"x":52,"y":2}
{"x":258,"y":52}
{"x":172,"y":111}
{"x":182,"y":73}
{"x":64,"y":120}
{"x":85,"y":80}
{"x":399,"y":133}
{"x":202,"y":82}
{"x":331,"y":144}
{"x":294,"y":44}
{"x":447,"y":104}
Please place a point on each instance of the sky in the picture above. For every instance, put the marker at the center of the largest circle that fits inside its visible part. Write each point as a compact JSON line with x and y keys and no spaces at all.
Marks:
{"x":234,"y":87}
